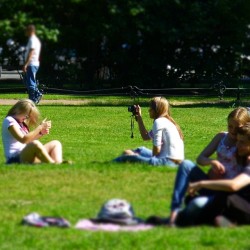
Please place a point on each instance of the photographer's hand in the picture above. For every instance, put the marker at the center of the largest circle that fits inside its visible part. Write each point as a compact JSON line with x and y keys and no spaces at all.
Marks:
{"x":138,"y":110}
{"x":143,"y":130}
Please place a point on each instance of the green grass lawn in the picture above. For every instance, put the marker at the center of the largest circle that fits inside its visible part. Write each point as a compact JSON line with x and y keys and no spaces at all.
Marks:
{"x":92,"y":136}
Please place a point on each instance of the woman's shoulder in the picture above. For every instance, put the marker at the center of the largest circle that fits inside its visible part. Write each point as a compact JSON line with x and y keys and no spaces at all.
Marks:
{"x":220,"y":136}
{"x":9,"y":120}
{"x":162,"y":120}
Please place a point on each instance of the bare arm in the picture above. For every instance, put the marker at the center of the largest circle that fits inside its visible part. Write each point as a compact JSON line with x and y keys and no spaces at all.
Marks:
{"x":232,"y":185}
{"x":30,"y":54}
{"x":156,"y":150}
{"x":218,"y":169}
{"x":143,"y":131}
{"x":31,"y":136}
{"x":204,"y":157}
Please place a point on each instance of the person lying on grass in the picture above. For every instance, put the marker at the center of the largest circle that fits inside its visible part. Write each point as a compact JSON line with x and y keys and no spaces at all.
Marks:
{"x":167,"y":137}
{"x":230,"y":203}
{"x":22,"y":145}
{"x":223,"y":167}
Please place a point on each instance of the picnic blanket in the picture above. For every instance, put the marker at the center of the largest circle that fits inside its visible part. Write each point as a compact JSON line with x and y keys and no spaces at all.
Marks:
{"x":89,"y":225}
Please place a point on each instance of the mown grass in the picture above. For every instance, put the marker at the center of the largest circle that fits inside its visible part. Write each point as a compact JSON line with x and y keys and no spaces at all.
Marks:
{"x":92,"y":137}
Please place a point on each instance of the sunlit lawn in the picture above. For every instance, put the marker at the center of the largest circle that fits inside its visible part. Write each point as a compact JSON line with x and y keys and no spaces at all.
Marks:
{"x":92,"y":136}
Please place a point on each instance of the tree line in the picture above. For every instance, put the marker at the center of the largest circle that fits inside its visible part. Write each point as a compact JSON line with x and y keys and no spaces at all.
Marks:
{"x":160,"y":43}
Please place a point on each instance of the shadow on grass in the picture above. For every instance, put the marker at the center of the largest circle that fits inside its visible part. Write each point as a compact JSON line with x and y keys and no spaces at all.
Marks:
{"x":227,"y":104}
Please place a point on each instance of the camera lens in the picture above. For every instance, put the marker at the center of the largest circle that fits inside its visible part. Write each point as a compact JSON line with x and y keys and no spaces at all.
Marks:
{"x":132,"y":109}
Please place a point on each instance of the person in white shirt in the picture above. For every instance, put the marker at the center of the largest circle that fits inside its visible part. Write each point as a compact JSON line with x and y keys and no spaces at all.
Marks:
{"x":166,"y":135}
{"x":22,"y":145}
{"x":32,"y":63}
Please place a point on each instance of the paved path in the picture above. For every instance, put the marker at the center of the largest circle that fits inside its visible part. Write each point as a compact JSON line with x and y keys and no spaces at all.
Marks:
{"x":46,"y":102}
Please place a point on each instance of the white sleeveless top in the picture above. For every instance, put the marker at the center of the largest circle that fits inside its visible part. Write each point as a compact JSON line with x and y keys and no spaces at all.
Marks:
{"x":227,"y":156}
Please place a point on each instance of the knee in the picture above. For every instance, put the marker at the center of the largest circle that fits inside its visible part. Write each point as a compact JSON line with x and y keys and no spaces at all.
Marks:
{"x":186,"y":165}
{"x":196,"y":205}
{"x":37,"y":144}
{"x":56,"y":144}
{"x":141,"y":149}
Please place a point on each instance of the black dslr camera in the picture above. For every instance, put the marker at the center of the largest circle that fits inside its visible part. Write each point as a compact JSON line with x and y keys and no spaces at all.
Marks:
{"x":132,"y":109}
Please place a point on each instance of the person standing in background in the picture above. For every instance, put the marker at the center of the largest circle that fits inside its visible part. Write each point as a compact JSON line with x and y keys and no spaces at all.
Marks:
{"x":32,"y":63}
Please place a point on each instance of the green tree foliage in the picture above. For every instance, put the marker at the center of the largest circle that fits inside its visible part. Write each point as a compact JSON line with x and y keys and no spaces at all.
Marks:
{"x":154,"y":43}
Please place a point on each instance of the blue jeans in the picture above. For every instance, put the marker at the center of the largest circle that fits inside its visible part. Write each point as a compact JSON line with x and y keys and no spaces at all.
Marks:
{"x":14,"y":159}
{"x":181,"y":182}
{"x":145,"y":155}
{"x":31,"y":85}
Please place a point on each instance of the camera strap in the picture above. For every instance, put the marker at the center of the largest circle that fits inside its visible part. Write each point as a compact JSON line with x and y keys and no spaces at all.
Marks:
{"x":132,"y":125}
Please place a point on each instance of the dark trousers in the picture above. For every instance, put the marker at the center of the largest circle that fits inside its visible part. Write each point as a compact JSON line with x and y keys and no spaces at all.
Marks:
{"x":234,"y":206}
{"x":237,"y":209}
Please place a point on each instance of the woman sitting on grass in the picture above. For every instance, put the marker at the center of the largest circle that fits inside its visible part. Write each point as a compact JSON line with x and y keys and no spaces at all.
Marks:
{"x":231,"y":202}
{"x":223,"y":167}
{"x":20,"y":144}
{"x":167,"y":137}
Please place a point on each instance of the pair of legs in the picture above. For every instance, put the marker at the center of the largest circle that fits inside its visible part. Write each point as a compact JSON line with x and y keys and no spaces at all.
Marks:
{"x":36,"y":152}
{"x":31,"y":84}
{"x":187,"y":172}
{"x":144,"y":155}
{"x":223,"y":207}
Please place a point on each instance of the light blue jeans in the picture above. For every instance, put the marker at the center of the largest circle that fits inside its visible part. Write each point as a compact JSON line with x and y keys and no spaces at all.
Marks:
{"x":181,"y":183}
{"x":145,"y":155}
{"x":30,"y":81}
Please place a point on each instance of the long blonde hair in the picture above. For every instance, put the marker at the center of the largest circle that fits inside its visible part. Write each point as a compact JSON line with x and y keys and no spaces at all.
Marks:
{"x":26,"y":107}
{"x":241,"y":115}
{"x":161,"y":107}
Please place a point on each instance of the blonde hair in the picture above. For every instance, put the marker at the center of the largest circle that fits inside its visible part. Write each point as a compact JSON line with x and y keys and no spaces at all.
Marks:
{"x":161,"y":107}
{"x":240,"y":115}
{"x":26,"y":107}
{"x":244,"y":131}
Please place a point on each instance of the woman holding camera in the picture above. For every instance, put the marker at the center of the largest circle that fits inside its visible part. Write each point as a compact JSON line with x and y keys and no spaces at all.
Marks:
{"x":22,"y":145}
{"x":166,"y":135}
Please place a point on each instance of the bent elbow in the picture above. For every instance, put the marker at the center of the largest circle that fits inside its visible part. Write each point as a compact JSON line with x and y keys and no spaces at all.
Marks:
{"x":198,"y":160}
{"x":24,"y":140}
{"x":145,"y":137}
{"x":234,"y":188}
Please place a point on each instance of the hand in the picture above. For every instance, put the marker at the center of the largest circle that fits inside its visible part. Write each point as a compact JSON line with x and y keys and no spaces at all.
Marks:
{"x":138,"y":110}
{"x":45,"y":126}
{"x":217,"y":167}
{"x":193,"y":188}
{"x":25,"y":68}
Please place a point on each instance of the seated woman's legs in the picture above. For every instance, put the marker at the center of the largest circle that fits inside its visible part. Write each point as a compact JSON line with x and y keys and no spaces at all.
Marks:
{"x":237,"y":209}
{"x":35,"y":151}
{"x":132,"y":158}
{"x":54,"y":149}
{"x":143,"y":151}
{"x":180,"y":187}
{"x":141,"y":154}
{"x":193,"y":212}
